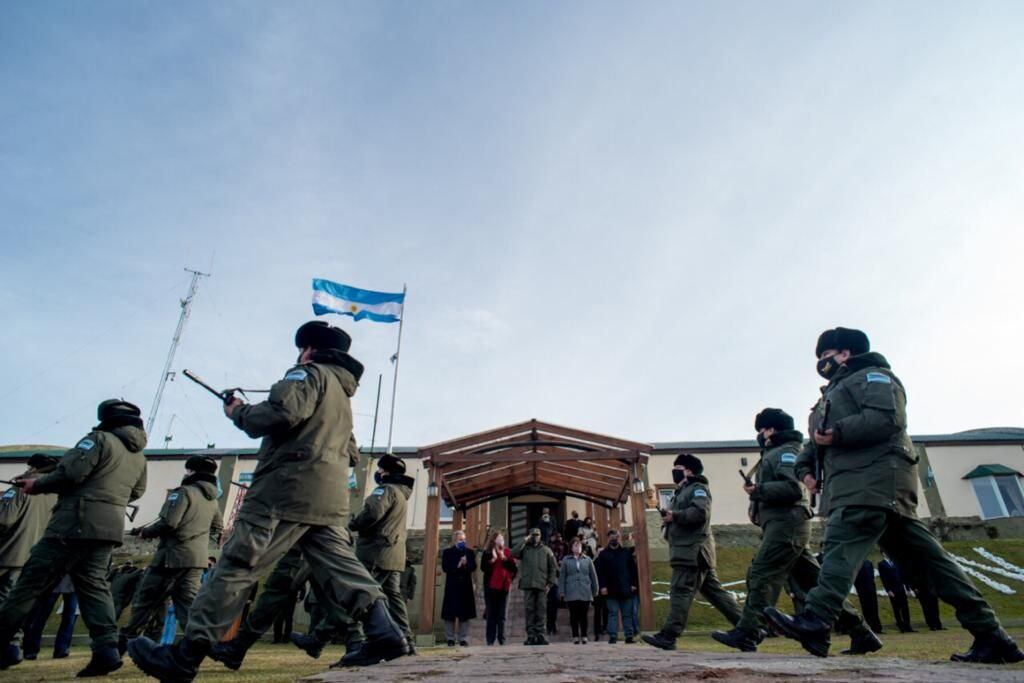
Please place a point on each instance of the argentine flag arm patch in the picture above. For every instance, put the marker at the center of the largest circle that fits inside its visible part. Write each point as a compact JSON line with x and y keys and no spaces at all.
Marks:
{"x":379,"y":491}
{"x":700,"y":493}
{"x":788,"y":458}
{"x":296,"y":375}
{"x":878,"y":377}
{"x":85,"y":444}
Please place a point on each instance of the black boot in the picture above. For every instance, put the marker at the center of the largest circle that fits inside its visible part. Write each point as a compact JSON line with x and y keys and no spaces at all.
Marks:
{"x":996,"y":647}
{"x":737,"y":638}
{"x":312,"y":645}
{"x":104,"y":661}
{"x":384,"y":640}
{"x":660,"y":640}
{"x":410,"y":646}
{"x":812,"y":632}
{"x":863,"y":642}
{"x":122,"y":644}
{"x":10,"y":656}
{"x":178,"y":663}
{"x":231,"y":653}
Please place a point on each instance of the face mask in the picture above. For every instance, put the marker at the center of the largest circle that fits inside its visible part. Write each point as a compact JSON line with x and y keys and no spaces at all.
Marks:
{"x":534,"y":540}
{"x":546,"y":517}
{"x":761,"y":441}
{"x":613,"y":544}
{"x":377,"y":477}
{"x":678,"y":476}
{"x":461,"y":545}
{"x":827,"y":367}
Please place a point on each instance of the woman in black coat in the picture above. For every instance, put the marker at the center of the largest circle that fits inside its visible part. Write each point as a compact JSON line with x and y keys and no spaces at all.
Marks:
{"x":458,"y":563}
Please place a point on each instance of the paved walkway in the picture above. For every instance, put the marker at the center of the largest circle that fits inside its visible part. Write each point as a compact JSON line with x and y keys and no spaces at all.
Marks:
{"x":564,"y":662}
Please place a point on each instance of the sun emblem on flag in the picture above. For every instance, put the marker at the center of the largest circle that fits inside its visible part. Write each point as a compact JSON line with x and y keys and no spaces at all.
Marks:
{"x":353,"y":308}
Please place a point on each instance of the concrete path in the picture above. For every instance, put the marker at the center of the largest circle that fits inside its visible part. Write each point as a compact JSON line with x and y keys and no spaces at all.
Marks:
{"x":592,"y":663}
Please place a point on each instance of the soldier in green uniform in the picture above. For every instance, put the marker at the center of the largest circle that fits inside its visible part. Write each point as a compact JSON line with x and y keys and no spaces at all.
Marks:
{"x":189,"y":519}
{"x":779,"y":505}
{"x":538,"y":572}
{"x":687,"y":528}
{"x":23,"y":519}
{"x":298,"y":496}
{"x":859,"y":430}
{"x":94,"y":482}
{"x":290,"y":574}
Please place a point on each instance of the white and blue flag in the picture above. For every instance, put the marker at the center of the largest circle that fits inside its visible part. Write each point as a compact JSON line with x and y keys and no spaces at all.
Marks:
{"x":332,"y":297}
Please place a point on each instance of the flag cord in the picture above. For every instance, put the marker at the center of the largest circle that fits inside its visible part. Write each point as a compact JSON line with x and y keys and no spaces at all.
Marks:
{"x":394,"y":382}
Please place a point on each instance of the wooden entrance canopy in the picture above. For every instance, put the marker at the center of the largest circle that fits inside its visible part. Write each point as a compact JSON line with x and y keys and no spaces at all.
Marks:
{"x":534,"y":457}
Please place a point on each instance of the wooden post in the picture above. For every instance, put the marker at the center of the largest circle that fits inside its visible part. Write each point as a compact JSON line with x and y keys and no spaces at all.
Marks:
{"x":429,"y":582}
{"x":457,"y":518}
{"x":643,"y":560}
{"x":616,"y":521}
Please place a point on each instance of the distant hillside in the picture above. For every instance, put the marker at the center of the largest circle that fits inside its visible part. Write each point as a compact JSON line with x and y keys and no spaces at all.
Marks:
{"x":31,"y":447}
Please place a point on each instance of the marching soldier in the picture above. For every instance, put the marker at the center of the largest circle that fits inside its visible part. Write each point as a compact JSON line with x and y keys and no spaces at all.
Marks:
{"x":779,"y":505}
{"x":94,"y":482}
{"x":298,"y":496}
{"x":859,"y":431}
{"x":382,"y":529}
{"x":538,"y":572}
{"x":687,"y":527}
{"x":189,"y":520}
{"x":23,"y":519}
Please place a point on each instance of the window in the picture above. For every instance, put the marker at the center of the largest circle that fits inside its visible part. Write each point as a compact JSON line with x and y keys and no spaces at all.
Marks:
{"x":447,"y":512}
{"x":665,"y":498}
{"x":999,"y":496}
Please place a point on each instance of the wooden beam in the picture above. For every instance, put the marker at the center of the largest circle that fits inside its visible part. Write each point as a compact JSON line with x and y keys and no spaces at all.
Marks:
{"x":616,"y":518}
{"x":583,"y":473}
{"x":478,"y":439}
{"x":431,"y":545}
{"x":544,"y":454}
{"x":643,"y":560}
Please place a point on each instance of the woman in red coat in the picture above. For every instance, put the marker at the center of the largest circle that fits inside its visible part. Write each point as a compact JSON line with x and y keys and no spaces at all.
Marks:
{"x":499,"y":569}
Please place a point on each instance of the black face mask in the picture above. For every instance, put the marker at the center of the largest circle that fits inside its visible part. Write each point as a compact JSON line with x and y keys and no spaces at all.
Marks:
{"x":827,"y":367}
{"x":377,"y":478}
{"x":613,"y":544}
{"x":762,"y":441}
{"x":678,"y":476}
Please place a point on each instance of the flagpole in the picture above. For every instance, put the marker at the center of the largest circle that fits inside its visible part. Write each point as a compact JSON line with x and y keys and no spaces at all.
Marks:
{"x":394,"y":383}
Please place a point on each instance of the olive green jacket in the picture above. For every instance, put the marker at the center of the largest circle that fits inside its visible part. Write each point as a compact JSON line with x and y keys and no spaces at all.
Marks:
{"x":689,"y":533}
{"x":189,"y":519}
{"x":23,"y":519}
{"x":872,"y":461}
{"x":778,"y":494}
{"x":94,"y":482}
{"x":537,"y":566}
{"x":306,"y":425}
{"x":382,"y":525}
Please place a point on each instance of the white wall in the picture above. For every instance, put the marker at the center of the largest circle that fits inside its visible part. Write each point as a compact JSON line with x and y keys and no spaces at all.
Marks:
{"x":950,"y":463}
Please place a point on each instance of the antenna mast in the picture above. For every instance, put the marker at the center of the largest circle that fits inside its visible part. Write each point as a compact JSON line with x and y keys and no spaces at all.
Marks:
{"x":186,"y":308}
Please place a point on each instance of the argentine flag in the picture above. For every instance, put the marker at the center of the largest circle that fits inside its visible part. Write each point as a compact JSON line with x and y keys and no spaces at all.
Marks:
{"x":332,"y":297}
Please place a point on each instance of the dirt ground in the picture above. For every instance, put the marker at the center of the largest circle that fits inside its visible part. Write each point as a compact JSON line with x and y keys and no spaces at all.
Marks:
{"x":599,"y":662}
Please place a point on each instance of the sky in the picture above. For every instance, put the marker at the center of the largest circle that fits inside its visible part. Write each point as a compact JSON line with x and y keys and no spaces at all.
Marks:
{"x":628,"y":218}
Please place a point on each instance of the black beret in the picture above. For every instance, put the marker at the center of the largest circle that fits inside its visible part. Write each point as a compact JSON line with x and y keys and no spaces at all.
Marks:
{"x":42,"y":461}
{"x":690,"y":462}
{"x":773,"y":418}
{"x":391,"y":464}
{"x":116,"y":407}
{"x":319,"y":335}
{"x":201,"y":463}
{"x":842,"y":338}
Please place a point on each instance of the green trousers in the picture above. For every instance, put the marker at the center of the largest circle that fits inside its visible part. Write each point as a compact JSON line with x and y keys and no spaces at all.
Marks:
{"x":391,"y":584}
{"x":255,"y":546}
{"x":158,"y":584}
{"x":86,"y":561}
{"x":687,"y":581}
{"x":853,"y":532}
{"x":287,"y":577}
{"x":535,"y":600}
{"x":783,"y":554}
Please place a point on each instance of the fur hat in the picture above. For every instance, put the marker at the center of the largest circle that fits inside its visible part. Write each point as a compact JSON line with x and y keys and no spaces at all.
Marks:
{"x":116,"y":408}
{"x":690,"y":462}
{"x":391,"y":464}
{"x":201,"y":463}
{"x":842,"y":338}
{"x":43,"y":462}
{"x":773,"y":418}
{"x":319,"y":335}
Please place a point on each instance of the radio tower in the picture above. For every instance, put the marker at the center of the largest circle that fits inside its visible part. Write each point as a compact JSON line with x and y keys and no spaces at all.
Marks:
{"x":186,"y":308}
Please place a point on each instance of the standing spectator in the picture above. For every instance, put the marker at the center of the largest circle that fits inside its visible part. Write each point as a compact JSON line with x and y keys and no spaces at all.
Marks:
{"x":33,"y":639}
{"x":600,"y":602}
{"x":572,"y":527}
{"x":538,"y":571}
{"x":547,"y":525}
{"x":892,"y":581}
{"x":634,"y":615}
{"x":458,"y":563}
{"x":617,"y":574}
{"x":577,"y":581}
{"x":589,"y":537}
{"x":554,"y":595}
{"x":283,"y":620}
{"x":499,"y":568}
{"x":864,"y":583}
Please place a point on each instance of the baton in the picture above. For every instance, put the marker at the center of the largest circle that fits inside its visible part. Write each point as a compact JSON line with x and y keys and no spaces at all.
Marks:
{"x":9,"y":483}
{"x":131,"y":511}
{"x":819,"y":459}
{"x":239,"y":484}
{"x":746,"y":479}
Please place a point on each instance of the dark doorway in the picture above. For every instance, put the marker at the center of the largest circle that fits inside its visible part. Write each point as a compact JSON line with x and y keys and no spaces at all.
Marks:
{"x":523,"y":516}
